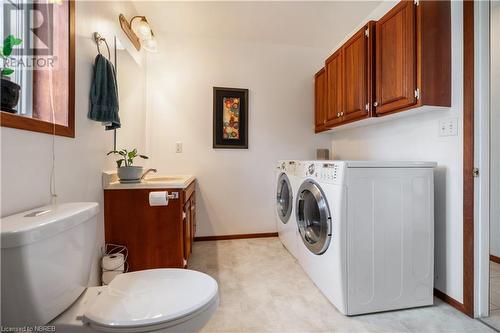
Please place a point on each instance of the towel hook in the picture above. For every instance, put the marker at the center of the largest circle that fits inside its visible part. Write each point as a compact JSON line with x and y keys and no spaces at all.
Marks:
{"x":98,"y":39}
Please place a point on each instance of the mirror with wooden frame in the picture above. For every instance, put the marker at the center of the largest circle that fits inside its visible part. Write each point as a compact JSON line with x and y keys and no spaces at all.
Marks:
{"x":38,"y":68}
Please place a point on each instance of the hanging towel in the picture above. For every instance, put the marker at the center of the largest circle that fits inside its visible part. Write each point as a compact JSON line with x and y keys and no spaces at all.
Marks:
{"x":104,"y":94}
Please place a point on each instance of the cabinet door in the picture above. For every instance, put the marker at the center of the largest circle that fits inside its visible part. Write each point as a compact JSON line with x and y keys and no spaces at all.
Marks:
{"x":334,"y":88}
{"x":187,"y":230}
{"x":153,"y":235}
{"x":320,"y":101}
{"x":193,"y":220}
{"x":356,"y":75}
{"x":396,"y":59}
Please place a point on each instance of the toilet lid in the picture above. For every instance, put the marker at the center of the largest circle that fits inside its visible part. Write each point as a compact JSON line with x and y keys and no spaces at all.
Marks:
{"x":150,"y":297}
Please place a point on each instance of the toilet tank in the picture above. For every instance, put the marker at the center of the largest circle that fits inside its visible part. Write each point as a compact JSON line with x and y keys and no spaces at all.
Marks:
{"x":46,"y":260}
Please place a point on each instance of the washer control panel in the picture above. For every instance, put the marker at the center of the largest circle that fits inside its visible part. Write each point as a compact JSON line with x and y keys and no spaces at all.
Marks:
{"x":322,"y":171}
{"x":330,"y":172}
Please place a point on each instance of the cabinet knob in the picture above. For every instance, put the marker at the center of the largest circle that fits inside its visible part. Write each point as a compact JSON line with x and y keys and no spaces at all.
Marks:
{"x":375,"y":104}
{"x":338,"y":114}
{"x":341,"y":113}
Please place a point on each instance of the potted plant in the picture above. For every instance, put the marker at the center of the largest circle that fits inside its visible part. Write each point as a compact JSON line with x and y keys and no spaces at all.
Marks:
{"x":126,"y":171}
{"x":10,"y":90}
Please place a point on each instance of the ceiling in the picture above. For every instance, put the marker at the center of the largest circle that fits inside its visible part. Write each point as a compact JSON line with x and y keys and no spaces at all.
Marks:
{"x":307,"y":23}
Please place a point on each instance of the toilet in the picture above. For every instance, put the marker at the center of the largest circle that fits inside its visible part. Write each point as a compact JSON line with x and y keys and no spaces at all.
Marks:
{"x":47,"y":256}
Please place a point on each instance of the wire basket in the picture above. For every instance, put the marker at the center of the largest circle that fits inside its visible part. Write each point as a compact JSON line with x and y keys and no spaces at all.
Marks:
{"x":113,"y":250}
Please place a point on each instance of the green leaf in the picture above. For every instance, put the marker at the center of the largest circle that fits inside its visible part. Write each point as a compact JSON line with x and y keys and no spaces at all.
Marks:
{"x":7,"y":50}
{"x":119,"y":163}
{"x":130,"y":161}
{"x":143,"y":156}
{"x":17,"y":41}
{"x":7,"y":71}
{"x":112,"y":152}
{"x":8,"y":44}
{"x":132,"y":154}
{"x":121,"y":152}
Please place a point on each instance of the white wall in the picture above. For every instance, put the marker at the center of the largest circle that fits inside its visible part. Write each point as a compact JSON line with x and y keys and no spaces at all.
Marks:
{"x":495,"y":130}
{"x":415,"y":137}
{"x":235,"y":187}
{"x":26,"y":156}
{"x":271,"y":48}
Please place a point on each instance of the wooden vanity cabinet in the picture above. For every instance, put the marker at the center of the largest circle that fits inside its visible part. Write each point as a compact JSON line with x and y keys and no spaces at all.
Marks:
{"x":156,"y":237}
{"x":413,"y":57}
{"x":189,"y":220}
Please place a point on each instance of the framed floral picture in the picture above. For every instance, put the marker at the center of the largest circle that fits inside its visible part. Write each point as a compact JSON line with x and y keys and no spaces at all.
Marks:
{"x":230,"y":118}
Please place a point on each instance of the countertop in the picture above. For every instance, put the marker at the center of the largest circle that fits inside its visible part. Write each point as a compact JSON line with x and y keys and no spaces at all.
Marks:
{"x":110,"y":181}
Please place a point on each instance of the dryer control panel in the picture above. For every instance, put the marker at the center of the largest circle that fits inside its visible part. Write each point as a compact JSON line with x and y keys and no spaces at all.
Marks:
{"x":286,"y":166}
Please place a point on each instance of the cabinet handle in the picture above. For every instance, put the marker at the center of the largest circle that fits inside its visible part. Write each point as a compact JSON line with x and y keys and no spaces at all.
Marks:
{"x":375,"y":104}
{"x":338,"y":114}
{"x":341,"y":113}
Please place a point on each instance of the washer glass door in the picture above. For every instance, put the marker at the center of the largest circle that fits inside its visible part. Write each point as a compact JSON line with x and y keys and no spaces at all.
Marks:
{"x":313,"y":217}
{"x":284,"y":198}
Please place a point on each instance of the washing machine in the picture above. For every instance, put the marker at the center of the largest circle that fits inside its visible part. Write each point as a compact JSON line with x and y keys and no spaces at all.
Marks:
{"x":285,"y":205}
{"x":366,"y":232}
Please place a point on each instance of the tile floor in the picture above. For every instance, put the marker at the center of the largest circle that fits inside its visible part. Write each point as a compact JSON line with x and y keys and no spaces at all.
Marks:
{"x":494,"y":318}
{"x":263,"y":289}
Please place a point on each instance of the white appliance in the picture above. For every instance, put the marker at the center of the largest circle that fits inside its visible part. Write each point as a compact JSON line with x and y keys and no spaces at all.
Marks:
{"x":367,"y":232}
{"x":285,"y":205}
{"x":46,"y":260}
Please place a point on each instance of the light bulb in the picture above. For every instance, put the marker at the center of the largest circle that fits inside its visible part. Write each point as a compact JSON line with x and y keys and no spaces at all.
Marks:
{"x":150,"y":45}
{"x":143,"y":30}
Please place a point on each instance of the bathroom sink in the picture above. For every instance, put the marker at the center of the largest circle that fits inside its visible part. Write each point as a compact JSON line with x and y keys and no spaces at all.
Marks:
{"x":110,"y":181}
{"x":164,"y":179}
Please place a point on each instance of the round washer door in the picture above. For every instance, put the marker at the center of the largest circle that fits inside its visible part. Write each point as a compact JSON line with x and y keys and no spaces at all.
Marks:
{"x":313,"y":217}
{"x":284,"y":198}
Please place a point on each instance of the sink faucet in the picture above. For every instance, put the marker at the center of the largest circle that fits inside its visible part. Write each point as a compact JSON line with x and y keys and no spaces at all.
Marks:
{"x":148,"y":171}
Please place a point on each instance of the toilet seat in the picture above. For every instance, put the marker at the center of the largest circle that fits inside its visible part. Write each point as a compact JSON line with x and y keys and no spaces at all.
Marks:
{"x":150,"y":300}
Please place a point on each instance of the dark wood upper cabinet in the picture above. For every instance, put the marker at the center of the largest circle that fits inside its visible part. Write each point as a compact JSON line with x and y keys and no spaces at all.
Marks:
{"x":396,"y":59}
{"x":349,"y":79}
{"x":357,"y":70}
{"x":334,"y":89}
{"x":400,"y":62}
{"x":413,"y":56}
{"x":320,"y":101}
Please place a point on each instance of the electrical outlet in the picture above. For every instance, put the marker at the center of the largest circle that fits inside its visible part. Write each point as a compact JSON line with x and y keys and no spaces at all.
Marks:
{"x":448,"y":127}
{"x":178,"y":147}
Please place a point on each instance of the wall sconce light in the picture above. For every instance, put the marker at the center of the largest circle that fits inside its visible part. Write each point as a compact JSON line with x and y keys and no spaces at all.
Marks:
{"x":139,"y":32}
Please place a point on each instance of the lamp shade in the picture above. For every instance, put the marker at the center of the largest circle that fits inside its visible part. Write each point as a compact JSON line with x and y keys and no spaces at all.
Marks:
{"x":150,"y":45}
{"x":143,"y":30}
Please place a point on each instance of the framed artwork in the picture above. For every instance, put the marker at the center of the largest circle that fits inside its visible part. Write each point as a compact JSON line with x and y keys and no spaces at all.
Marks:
{"x":230,"y":118}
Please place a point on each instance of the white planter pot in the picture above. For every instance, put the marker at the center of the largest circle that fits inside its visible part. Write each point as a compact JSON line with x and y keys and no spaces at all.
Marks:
{"x":130,"y":173}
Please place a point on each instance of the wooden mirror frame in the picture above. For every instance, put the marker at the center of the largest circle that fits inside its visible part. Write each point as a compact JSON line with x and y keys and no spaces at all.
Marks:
{"x":36,"y":125}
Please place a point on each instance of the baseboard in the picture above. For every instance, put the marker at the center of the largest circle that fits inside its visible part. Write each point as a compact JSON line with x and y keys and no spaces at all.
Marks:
{"x":240,"y":236}
{"x":495,"y":259}
{"x":449,"y":300}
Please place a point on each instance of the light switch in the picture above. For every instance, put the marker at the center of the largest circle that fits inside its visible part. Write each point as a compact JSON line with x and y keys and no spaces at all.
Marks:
{"x":178,"y":147}
{"x":448,"y":127}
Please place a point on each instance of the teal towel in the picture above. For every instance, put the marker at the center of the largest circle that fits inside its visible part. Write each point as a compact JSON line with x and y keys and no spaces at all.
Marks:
{"x":104,"y":94}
